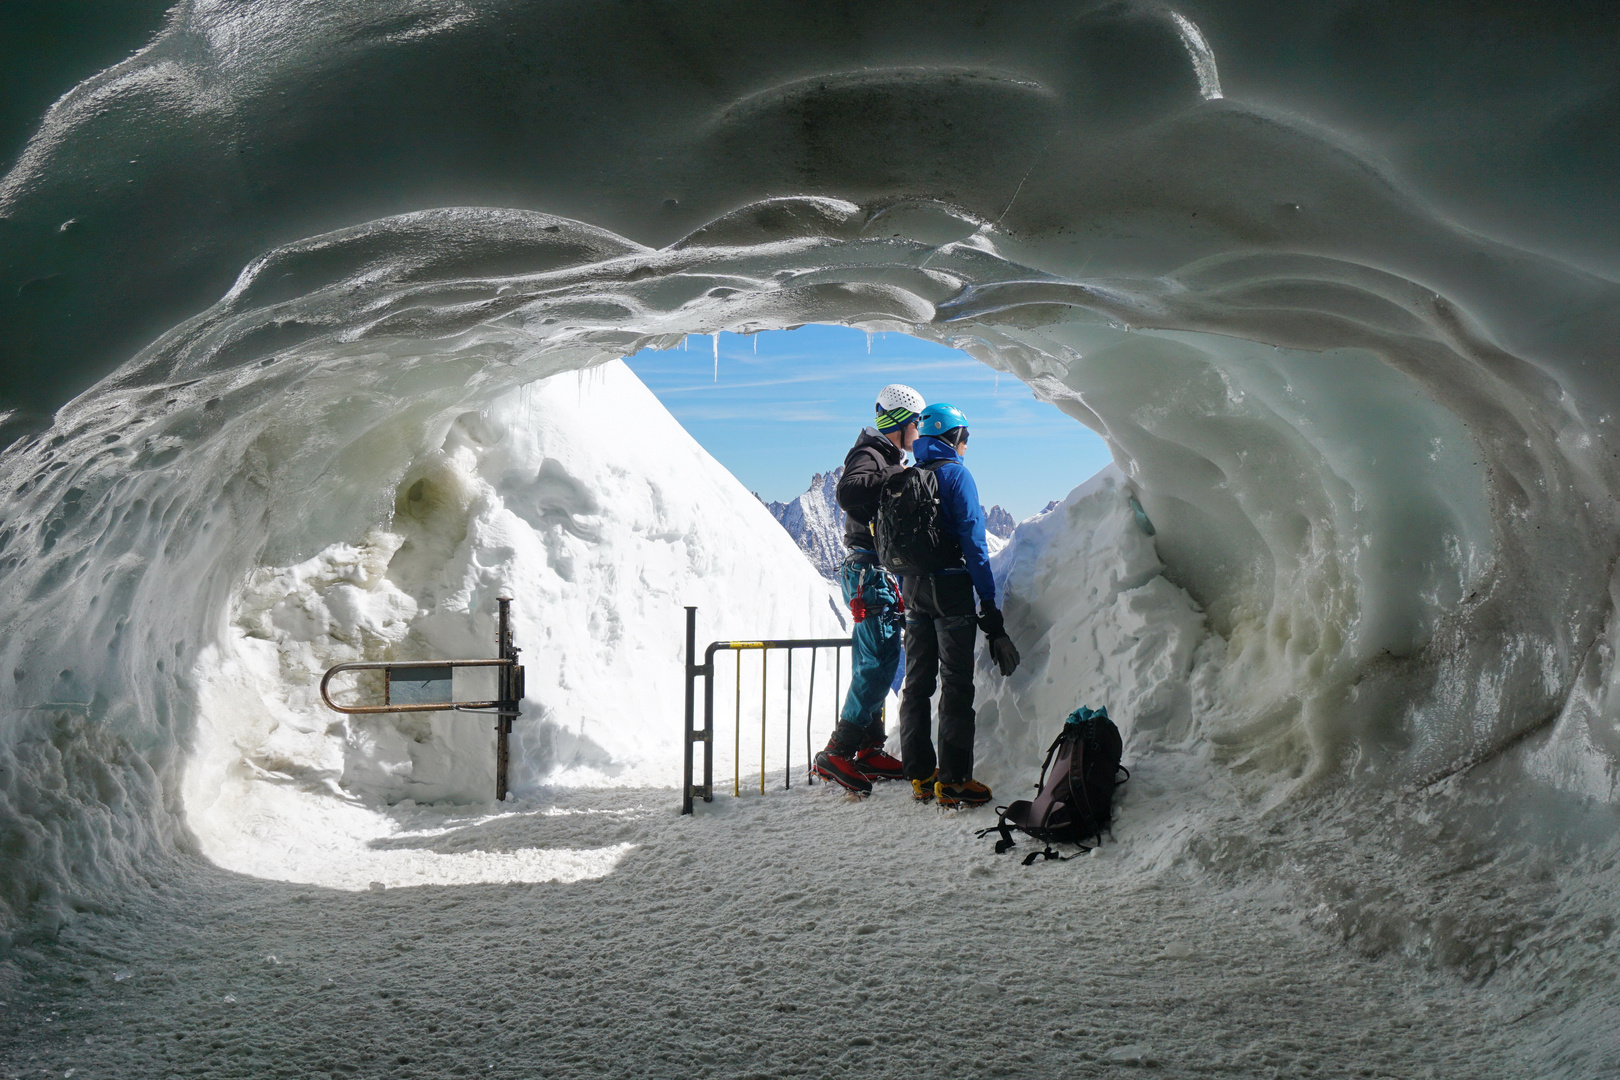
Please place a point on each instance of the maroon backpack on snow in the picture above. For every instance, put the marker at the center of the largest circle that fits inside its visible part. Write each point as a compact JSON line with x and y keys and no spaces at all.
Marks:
{"x":1074,"y":801}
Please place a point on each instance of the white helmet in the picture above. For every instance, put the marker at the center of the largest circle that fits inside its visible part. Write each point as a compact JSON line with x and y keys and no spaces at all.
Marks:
{"x":897,"y":406}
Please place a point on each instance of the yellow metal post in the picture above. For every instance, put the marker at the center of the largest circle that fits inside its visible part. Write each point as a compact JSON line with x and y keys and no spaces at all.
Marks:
{"x":736,"y":754}
{"x":764,"y":658}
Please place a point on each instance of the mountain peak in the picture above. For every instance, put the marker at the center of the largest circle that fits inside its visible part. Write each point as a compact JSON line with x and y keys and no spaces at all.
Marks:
{"x":816,"y":522}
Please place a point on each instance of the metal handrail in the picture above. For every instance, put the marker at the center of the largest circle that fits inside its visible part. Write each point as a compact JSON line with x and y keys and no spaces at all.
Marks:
{"x":705,"y":671}
{"x":764,"y":648}
{"x":383,"y":665}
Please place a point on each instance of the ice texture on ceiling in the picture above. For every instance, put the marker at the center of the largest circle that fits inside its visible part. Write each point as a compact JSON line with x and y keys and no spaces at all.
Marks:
{"x":1351,"y":346}
{"x":1340,"y":128}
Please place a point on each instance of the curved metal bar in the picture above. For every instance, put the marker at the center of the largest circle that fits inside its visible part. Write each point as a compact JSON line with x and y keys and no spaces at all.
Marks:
{"x":706,"y":671}
{"x":381,"y":665}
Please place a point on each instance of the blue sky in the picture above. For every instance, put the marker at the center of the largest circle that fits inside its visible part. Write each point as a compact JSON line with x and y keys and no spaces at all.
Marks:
{"x":793,"y":408}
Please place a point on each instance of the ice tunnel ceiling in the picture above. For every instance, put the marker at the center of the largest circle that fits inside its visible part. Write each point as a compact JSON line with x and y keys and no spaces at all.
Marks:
{"x":1337,"y":284}
{"x":240,"y":127}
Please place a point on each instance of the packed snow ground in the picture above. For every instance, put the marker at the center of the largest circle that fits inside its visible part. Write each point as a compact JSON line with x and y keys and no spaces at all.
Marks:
{"x":797,"y":934}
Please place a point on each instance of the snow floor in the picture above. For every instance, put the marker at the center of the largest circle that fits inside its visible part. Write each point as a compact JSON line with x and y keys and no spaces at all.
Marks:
{"x":802,"y":933}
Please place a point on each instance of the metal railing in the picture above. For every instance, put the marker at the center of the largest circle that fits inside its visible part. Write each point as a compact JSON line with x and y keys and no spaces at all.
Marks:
{"x":425,"y":686}
{"x":705,"y":735}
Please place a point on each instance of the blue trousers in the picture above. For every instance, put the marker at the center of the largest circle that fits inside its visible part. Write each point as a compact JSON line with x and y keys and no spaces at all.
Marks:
{"x":875,"y":646}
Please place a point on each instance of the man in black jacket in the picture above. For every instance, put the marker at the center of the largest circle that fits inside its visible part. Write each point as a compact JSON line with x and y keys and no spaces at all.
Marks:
{"x":854,"y":756}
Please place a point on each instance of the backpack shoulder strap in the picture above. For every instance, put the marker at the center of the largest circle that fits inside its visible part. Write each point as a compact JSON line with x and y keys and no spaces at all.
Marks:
{"x":1083,"y":798}
{"x":931,"y":469}
{"x":1050,"y":750}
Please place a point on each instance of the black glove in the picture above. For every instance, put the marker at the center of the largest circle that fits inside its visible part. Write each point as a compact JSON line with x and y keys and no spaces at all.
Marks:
{"x":1004,"y":653}
{"x":1002,"y":650}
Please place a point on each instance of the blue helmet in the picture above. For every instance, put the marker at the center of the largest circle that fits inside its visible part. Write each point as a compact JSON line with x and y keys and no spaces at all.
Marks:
{"x":938,"y":419}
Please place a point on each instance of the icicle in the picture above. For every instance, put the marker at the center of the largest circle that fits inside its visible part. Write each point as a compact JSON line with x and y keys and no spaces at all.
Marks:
{"x":869,"y":343}
{"x":716,"y":339}
{"x":1203,"y":57}
{"x":756,"y":343}
{"x":997,"y":391}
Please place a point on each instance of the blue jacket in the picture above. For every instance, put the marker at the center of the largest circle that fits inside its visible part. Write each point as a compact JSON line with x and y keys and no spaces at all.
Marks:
{"x":959,"y":503}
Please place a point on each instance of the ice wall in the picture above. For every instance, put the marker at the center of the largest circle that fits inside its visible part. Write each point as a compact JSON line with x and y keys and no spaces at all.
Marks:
{"x":1355,"y":363}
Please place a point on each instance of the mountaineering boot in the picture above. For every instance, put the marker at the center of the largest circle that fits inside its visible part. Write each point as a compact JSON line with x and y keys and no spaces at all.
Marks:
{"x":962,"y":793}
{"x":874,"y":764}
{"x":923,"y":790}
{"x":871,"y":760}
{"x":834,"y":766}
{"x":837,"y":762}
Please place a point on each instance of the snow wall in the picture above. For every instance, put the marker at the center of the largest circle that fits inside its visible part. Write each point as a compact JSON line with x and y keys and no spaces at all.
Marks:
{"x":581,"y":498}
{"x":1344,"y":312}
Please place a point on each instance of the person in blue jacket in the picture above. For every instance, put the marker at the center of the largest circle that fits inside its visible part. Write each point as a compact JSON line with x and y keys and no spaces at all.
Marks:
{"x":941,"y":627}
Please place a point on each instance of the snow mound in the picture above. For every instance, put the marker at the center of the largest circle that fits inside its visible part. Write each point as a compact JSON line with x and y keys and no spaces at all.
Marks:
{"x":1097,"y":624}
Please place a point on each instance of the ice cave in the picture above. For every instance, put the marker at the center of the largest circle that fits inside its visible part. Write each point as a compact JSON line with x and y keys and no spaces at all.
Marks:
{"x":313,"y":325}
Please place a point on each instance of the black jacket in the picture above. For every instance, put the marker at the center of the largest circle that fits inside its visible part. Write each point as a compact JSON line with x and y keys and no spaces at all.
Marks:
{"x":872,"y":460}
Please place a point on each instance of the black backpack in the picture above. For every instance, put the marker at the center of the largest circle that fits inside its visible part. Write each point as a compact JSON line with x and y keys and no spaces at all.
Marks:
{"x":1074,"y":801}
{"x":910,"y":530}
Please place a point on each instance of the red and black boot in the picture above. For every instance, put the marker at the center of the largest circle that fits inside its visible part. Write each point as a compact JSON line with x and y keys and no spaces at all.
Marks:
{"x":873,"y":762}
{"x":837,"y":762}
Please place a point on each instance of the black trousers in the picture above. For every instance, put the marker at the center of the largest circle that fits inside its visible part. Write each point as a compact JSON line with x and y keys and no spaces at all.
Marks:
{"x":940,"y":632}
